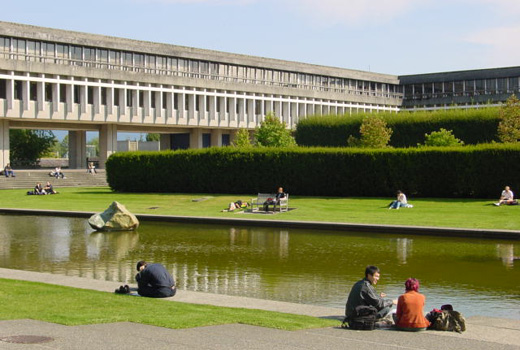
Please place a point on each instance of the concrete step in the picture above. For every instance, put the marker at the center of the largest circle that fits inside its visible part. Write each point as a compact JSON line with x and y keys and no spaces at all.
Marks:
{"x":73,"y":178}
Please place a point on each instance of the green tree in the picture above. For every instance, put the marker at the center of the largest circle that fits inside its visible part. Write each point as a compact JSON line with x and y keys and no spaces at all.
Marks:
{"x":153,"y":137}
{"x":28,"y":146}
{"x":509,"y":126}
{"x":374,"y":134}
{"x":94,"y":142}
{"x":242,"y":140}
{"x":442,"y":137}
{"x":273,"y":133}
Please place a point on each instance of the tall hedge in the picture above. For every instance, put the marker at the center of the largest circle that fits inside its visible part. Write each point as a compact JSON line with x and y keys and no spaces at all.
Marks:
{"x":473,"y":126}
{"x":471,"y":171}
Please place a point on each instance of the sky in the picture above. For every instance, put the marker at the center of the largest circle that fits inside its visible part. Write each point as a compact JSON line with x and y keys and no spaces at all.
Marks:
{"x":395,"y":37}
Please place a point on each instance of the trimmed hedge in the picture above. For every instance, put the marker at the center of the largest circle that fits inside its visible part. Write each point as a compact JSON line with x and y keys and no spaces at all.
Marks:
{"x":473,"y":126}
{"x":471,"y":171}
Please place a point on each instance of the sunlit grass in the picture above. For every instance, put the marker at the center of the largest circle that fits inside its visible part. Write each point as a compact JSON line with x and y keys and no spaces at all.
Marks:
{"x":460,"y":213}
{"x":71,"y":306}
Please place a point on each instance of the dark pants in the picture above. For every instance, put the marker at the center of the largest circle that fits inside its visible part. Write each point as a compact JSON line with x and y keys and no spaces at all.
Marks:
{"x":162,"y":292}
{"x":268,"y":203}
{"x":383,"y":312}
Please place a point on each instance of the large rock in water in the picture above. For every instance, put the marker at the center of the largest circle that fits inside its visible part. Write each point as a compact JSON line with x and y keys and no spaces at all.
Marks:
{"x":115,"y":218}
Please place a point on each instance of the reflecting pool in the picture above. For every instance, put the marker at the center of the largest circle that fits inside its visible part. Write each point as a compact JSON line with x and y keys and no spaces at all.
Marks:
{"x":479,"y":277}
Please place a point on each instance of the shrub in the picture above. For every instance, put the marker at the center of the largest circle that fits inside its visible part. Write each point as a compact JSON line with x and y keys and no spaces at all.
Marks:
{"x":374,"y":134}
{"x":509,"y":126}
{"x":442,"y":138}
{"x":273,"y":133}
{"x":474,"y":126}
{"x":471,"y":171}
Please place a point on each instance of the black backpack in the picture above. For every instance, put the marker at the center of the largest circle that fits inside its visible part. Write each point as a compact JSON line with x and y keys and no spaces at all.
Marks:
{"x":364,"y":319}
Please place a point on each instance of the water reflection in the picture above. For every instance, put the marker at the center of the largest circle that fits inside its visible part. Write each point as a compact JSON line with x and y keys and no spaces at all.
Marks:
{"x":316,"y":267}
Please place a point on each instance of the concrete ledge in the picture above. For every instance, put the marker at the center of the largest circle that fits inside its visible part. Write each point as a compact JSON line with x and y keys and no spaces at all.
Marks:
{"x":335,"y":226}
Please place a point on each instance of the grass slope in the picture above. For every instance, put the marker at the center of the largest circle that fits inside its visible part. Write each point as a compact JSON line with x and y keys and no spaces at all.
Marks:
{"x":71,"y":306}
{"x":461,"y":213}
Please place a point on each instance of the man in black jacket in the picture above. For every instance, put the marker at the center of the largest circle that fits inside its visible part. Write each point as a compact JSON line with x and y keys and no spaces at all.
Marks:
{"x":154,"y":281}
{"x":364,"y":294}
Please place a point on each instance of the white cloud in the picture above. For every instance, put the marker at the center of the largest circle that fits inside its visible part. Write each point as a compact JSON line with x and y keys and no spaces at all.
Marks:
{"x":500,"y":44}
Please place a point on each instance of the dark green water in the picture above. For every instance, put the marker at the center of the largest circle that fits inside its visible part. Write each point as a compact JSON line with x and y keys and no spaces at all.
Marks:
{"x":479,"y":277}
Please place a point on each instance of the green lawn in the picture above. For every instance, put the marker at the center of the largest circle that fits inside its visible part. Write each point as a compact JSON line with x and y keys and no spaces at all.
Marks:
{"x":71,"y":306}
{"x":464,"y":213}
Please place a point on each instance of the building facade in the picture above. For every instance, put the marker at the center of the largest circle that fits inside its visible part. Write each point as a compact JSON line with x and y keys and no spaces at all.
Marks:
{"x":61,"y":80}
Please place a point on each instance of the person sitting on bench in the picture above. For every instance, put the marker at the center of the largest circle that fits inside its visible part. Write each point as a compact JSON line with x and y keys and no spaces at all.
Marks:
{"x":274,"y":201}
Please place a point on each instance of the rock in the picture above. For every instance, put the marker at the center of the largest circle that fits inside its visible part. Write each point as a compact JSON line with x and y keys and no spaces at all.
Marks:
{"x":115,"y":218}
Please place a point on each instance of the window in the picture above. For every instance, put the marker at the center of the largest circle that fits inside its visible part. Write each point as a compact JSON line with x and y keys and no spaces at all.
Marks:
{"x":459,"y":87}
{"x":48,"y":92}
{"x":152,"y":97}
{"x":127,"y":60}
{"x":33,"y":50}
{"x":48,"y":51}
{"x":63,"y":93}
{"x":513,"y":84}
{"x":469,"y":87}
{"x":502,"y":85}
{"x":164,"y":100}
{"x":62,"y":51}
{"x":204,"y":68}
{"x":77,"y":92}
{"x":117,"y":102}
{"x":114,"y":57}
{"x":491,"y":86}
{"x":17,"y":90}
{"x":129,"y":98}
{"x":102,"y":56}
{"x":76,"y":53}
{"x":138,"y":60}
{"x":104,"y":96}
{"x":141,"y":98}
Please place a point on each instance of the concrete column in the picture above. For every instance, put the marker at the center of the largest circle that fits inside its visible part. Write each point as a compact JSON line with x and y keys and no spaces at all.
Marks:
{"x":97,"y":99}
{"x":55,"y":97}
{"x":10,"y":93}
{"x":181,"y":99}
{"x":107,"y":143}
{"x":213,"y":108}
{"x":169,"y":105}
{"x":122,"y":101}
{"x":25,"y":95}
{"x":77,"y":149}
{"x":286,"y":111}
{"x":251,"y":107}
{"x":294,"y":114}
{"x":216,"y":138}
{"x":191,"y":106}
{"x":158,"y":103}
{"x":196,"y":138}
{"x":241,"y":109}
{"x":202,"y":106}
{"x":165,"y":141}
{"x":232,"y":109}
{"x":278,"y":109}
{"x":223,"y":109}
{"x":40,"y":99}
{"x":110,"y":99}
{"x":4,"y":143}
{"x":83,"y":98}
{"x":70,"y":98}
{"x":147,"y":101}
{"x":135,"y":102}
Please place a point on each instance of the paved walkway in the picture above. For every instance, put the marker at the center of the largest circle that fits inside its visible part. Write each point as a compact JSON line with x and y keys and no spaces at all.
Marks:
{"x":483,"y":333}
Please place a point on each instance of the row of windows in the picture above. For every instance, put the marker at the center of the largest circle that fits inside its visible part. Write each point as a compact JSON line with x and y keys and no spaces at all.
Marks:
{"x":462,"y":88}
{"x":134,"y":98}
{"x":41,"y":51}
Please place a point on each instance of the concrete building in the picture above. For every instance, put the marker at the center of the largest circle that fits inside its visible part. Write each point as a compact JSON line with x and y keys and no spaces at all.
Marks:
{"x":56,"y":79}
{"x":61,"y":80}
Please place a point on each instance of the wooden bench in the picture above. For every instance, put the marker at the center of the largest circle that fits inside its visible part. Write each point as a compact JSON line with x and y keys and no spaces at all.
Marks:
{"x":257,"y":203}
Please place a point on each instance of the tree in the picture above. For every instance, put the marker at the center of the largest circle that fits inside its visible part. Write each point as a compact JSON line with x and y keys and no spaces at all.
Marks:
{"x":442,"y":137}
{"x":374,"y":134}
{"x":28,"y":146}
{"x":242,"y":140}
{"x":95,"y":143}
{"x":273,"y":133}
{"x":509,"y":126}
{"x":153,"y":137}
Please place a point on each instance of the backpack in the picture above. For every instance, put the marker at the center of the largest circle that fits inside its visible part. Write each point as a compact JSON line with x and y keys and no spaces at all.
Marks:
{"x":364,"y":320}
{"x":447,"y":320}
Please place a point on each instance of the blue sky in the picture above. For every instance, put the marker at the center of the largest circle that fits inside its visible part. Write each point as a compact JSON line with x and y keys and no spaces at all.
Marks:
{"x":386,"y":36}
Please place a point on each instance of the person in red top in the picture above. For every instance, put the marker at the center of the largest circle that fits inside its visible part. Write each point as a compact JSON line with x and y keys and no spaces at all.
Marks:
{"x":410,"y":315}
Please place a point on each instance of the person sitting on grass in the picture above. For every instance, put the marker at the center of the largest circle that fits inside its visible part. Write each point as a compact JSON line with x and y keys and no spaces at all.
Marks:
{"x":410,"y":315}
{"x":49,"y":189}
{"x":401,"y":201}
{"x":154,"y":281}
{"x":38,"y":189}
{"x":507,"y":197}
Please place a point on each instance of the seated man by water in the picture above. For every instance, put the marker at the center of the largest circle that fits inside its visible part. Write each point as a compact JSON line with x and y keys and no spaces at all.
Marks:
{"x":154,"y":281}
{"x":363,"y":293}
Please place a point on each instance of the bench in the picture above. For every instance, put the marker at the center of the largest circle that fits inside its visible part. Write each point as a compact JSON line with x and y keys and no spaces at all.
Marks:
{"x":257,"y":203}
